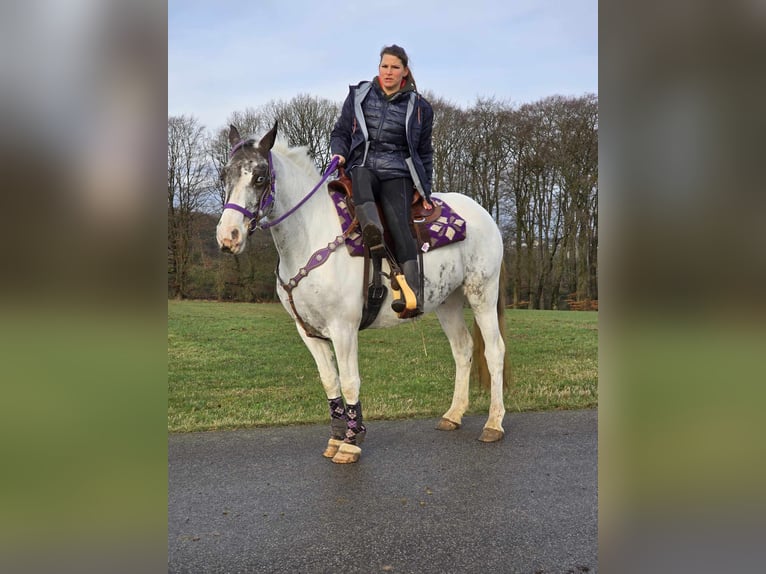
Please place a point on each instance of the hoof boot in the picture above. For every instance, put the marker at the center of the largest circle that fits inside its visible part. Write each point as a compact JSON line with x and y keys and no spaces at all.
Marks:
{"x":332,"y":447}
{"x":347,"y":453}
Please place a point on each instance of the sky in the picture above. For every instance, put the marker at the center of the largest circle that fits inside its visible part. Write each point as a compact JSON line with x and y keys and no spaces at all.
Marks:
{"x":226,"y":56}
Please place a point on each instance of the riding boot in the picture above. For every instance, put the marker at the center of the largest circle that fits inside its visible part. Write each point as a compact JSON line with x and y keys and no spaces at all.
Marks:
{"x":370,"y":225}
{"x":411,"y":272}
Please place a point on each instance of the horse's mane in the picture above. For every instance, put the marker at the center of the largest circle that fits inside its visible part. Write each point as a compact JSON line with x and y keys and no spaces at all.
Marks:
{"x":298,"y":155}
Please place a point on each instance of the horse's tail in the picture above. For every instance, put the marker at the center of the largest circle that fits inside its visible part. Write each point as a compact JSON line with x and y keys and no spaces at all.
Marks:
{"x":479,"y":365}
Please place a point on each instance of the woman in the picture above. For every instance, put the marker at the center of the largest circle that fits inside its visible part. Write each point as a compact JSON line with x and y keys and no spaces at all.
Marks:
{"x":383,"y":136}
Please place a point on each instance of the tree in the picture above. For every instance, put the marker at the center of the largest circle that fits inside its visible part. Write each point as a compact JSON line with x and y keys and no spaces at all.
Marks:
{"x":487,"y":156}
{"x":450,"y":141}
{"x":187,"y":188}
{"x":533,"y":167}
{"x":306,"y":121}
{"x":577,"y":162}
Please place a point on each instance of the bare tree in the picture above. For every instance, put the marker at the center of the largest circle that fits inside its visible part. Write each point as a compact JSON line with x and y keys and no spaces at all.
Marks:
{"x":487,"y":156}
{"x":577,"y":163}
{"x":306,"y":121}
{"x":527,"y":167}
{"x":450,"y":141}
{"x":218,"y":148}
{"x":250,"y":123}
{"x":544,"y":214}
{"x":187,"y":187}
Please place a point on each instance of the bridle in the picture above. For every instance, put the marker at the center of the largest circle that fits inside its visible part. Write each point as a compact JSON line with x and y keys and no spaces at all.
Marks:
{"x":266,"y":201}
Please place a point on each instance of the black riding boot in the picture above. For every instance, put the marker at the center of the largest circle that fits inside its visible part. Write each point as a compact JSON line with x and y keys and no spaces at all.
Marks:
{"x":370,"y":225}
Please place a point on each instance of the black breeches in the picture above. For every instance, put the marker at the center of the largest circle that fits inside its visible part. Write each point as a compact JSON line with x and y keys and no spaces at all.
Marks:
{"x":395,"y":198}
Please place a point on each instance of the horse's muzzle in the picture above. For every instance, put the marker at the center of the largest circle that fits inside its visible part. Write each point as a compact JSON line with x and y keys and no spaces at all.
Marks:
{"x":231,"y":242}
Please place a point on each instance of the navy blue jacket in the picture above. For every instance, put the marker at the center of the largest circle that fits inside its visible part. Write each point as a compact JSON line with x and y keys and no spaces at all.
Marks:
{"x":350,"y":137}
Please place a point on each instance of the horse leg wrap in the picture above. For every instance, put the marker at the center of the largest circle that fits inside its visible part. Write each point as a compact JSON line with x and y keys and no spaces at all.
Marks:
{"x":355,"y":429}
{"x":337,"y":427}
{"x":337,"y":419}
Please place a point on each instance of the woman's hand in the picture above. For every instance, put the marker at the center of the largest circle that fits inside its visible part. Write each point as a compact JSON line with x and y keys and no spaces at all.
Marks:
{"x":341,"y":159}
{"x":427,"y":204}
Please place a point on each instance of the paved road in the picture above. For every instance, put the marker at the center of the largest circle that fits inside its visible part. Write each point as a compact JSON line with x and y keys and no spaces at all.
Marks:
{"x":419,"y":501}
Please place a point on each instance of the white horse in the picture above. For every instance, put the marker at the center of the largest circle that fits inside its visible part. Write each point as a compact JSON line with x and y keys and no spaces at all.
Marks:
{"x":268,"y":186}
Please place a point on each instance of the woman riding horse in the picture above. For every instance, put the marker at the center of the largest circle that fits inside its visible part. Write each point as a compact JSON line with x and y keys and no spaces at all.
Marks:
{"x":383,"y":135}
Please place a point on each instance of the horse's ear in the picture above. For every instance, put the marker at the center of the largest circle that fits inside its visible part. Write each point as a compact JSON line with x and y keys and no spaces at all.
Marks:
{"x":234,"y":137}
{"x":267,"y":141}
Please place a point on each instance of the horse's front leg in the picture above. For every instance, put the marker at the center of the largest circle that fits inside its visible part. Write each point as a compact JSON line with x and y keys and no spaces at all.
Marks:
{"x":346,"y":351}
{"x":321,"y":350}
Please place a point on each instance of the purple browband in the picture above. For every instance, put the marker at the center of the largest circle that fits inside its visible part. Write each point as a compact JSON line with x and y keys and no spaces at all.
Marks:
{"x":239,"y":145}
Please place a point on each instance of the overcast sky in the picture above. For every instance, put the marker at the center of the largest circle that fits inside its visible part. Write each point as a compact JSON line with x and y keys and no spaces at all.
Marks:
{"x":226,"y":56}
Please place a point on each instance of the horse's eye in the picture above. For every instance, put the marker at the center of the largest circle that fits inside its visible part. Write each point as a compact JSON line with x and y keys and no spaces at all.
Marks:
{"x":260,"y":179}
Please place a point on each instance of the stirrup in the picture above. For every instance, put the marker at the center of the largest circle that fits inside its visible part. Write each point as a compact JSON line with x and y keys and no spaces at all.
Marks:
{"x":404,"y":297}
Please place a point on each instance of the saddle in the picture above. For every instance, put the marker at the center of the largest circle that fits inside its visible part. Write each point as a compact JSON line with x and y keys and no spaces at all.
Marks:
{"x":421,"y":217}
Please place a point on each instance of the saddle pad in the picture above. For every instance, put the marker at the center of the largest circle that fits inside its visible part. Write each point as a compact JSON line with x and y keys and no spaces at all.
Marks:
{"x":448,"y":228}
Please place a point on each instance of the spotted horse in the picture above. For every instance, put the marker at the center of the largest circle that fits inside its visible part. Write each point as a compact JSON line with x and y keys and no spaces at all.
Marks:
{"x":270,"y":185}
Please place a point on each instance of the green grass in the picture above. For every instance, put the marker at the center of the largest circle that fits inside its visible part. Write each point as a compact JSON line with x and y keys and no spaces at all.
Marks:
{"x":239,"y":365}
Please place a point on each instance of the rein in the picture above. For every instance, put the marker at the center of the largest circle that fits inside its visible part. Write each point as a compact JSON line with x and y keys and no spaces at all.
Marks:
{"x":267,"y":199}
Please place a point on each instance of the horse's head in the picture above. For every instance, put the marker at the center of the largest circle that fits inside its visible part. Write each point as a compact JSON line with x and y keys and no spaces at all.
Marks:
{"x":248,"y":180}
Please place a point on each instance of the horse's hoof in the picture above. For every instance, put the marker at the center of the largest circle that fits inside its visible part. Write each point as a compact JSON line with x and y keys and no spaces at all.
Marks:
{"x":491,"y":435}
{"x":347,"y":453}
{"x":332,"y":447}
{"x":446,"y":424}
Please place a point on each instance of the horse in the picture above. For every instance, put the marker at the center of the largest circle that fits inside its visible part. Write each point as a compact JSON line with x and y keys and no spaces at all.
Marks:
{"x":267,"y":186}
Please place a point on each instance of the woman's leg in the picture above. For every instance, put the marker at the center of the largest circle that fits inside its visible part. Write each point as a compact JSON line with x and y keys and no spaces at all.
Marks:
{"x":396,"y":200}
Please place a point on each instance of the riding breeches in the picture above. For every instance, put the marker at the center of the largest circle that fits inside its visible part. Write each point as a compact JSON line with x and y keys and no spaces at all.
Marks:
{"x":395,"y":198}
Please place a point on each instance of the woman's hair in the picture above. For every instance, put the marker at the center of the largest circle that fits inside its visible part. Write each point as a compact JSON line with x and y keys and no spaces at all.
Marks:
{"x":398,"y":52}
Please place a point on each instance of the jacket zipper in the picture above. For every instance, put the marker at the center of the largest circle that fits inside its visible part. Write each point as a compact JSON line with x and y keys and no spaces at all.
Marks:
{"x":383,"y":113}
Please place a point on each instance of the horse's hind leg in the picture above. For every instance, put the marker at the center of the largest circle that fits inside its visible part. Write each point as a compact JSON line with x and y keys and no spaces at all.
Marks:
{"x":328,"y":373}
{"x":450,"y":314}
{"x":494,"y":350}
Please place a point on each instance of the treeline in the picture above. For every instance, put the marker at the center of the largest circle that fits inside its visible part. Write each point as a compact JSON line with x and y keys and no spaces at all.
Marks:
{"x":533,"y":167}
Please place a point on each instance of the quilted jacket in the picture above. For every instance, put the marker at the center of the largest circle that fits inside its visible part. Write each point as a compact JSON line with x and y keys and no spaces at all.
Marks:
{"x":370,"y":128}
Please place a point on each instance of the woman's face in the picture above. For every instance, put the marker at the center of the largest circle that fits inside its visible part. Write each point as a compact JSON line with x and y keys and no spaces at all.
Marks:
{"x":391,"y":72}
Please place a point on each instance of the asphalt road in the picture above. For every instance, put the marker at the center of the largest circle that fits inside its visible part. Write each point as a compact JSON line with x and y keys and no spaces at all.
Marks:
{"x":418,"y":501}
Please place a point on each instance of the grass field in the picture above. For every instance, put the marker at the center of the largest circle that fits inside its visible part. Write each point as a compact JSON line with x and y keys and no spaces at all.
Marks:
{"x":239,"y":365}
